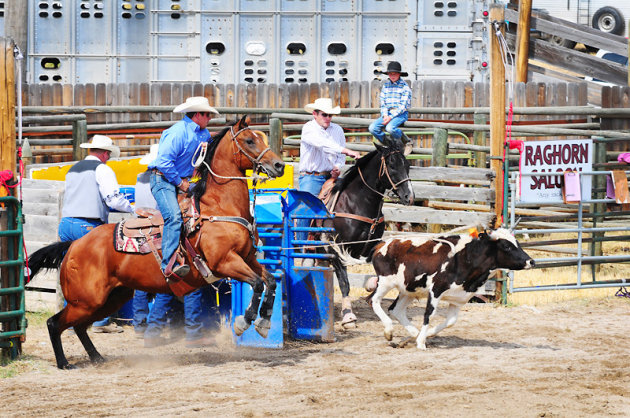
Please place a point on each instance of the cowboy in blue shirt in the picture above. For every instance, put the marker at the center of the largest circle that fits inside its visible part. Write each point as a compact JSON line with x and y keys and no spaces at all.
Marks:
{"x":171,"y":171}
{"x":395,"y":100}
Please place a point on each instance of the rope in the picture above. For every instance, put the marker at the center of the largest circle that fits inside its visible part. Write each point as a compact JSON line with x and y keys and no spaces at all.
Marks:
{"x":432,"y":236}
{"x":202,"y":155}
{"x":19,"y":58}
{"x":509,"y":66}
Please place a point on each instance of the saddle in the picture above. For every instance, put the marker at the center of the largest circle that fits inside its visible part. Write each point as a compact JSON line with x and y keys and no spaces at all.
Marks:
{"x":143,"y":235}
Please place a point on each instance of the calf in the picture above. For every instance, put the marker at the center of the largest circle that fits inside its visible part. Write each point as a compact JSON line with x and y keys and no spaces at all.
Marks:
{"x":450,"y":268}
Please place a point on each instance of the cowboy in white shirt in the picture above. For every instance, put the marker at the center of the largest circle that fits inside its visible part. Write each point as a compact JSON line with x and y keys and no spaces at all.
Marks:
{"x":322,"y":148}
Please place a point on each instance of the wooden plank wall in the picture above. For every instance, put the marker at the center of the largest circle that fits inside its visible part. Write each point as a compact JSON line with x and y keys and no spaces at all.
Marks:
{"x":426,"y":93}
{"x":616,"y":97}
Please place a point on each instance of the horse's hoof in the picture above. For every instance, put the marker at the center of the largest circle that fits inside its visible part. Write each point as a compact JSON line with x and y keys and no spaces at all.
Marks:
{"x":349,"y":321}
{"x":262,"y":326}
{"x":388,"y":335}
{"x":406,"y":342}
{"x":67,"y":366}
{"x":98,"y":360}
{"x":240,"y":325}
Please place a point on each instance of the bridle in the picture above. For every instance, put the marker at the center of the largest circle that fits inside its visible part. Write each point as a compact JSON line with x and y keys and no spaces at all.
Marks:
{"x":255,"y":161}
{"x":383,"y":169}
{"x":257,"y":166}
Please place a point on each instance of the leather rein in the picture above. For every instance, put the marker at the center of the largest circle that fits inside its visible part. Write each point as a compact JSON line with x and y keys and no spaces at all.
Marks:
{"x":378,"y":220}
{"x":257,"y":167}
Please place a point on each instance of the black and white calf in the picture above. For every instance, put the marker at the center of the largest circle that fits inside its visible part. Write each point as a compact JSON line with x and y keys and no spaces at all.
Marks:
{"x":448,"y":268}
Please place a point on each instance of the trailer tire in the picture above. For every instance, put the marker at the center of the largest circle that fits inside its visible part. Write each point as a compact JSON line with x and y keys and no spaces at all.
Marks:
{"x":608,"y":19}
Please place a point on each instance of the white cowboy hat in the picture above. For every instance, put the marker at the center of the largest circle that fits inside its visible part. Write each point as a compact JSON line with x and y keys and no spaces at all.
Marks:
{"x":195,"y":104}
{"x":103,"y":142}
{"x":324,"y":104}
{"x":151,"y":156}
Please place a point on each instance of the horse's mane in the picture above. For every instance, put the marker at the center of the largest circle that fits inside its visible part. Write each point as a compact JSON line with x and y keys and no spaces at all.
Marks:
{"x":202,"y":171}
{"x":353,"y":171}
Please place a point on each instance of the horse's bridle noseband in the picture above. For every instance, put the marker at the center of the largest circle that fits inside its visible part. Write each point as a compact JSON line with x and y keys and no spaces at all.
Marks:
{"x":255,"y":161}
{"x":383,"y":169}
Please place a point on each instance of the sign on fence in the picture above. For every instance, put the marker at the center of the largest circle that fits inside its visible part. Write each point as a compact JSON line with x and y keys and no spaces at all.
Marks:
{"x":553,"y":156}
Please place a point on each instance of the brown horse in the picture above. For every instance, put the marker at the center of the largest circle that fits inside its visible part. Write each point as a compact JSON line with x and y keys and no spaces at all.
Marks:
{"x":96,"y":280}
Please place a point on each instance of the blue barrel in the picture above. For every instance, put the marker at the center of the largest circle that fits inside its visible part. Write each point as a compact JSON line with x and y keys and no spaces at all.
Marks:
{"x":310,"y":304}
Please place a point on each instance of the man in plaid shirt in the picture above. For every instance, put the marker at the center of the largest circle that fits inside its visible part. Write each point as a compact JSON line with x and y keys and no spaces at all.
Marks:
{"x":395,"y":100}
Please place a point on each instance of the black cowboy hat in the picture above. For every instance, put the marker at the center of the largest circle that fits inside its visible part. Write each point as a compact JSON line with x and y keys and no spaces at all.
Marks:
{"x":394,"y":67}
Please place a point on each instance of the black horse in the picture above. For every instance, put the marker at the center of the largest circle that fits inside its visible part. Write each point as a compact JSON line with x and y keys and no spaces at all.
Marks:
{"x":358,"y":221}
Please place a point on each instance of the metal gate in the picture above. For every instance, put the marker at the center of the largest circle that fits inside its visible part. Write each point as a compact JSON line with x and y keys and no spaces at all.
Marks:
{"x":580,"y":258}
{"x":12,"y":310}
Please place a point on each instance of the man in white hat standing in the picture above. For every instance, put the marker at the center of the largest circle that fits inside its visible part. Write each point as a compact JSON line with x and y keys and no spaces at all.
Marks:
{"x":171,"y":171}
{"x":91,"y":190}
{"x":395,"y":100}
{"x":322,"y":147}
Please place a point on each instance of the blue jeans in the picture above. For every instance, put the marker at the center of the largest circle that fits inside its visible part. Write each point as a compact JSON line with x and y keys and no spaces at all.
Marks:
{"x":313,"y":185}
{"x":140,"y":310}
{"x":376,"y":127}
{"x":165,"y":195}
{"x":165,"y":306}
{"x":71,"y":229}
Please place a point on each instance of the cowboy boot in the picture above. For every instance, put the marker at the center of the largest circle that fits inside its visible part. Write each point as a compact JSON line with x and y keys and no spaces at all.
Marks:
{"x":408,"y":144}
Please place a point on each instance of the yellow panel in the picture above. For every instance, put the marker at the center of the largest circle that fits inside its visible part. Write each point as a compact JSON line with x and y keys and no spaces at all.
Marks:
{"x":284,"y":182}
{"x":57,"y":172}
{"x":127,"y":171}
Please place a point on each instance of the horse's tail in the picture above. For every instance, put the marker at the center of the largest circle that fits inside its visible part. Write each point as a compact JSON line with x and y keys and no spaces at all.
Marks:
{"x":343,"y":254}
{"x":48,"y":257}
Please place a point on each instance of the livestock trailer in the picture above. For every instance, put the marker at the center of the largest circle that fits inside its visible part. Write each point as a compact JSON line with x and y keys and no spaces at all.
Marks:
{"x":253,"y":41}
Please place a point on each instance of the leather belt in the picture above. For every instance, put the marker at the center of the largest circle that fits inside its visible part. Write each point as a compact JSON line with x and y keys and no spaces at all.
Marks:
{"x":156,"y":171}
{"x":315,"y":173}
{"x":91,"y":219}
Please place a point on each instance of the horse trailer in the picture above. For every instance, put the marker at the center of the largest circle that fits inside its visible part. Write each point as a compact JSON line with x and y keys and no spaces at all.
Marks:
{"x":605,"y":15}
{"x":254,"y":41}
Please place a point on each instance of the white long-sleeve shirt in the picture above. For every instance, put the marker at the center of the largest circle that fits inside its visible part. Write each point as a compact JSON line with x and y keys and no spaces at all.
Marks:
{"x":320,"y":149}
{"x":109,"y":188}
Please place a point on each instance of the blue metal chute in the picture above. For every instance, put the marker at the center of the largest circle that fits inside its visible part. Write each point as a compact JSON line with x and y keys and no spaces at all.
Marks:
{"x":304,"y":295}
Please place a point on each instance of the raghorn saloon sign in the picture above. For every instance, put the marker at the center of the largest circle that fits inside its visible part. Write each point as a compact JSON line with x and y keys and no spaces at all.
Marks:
{"x":555,"y":156}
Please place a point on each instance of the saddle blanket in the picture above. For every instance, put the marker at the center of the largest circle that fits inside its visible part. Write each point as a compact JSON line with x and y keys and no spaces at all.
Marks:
{"x":139,"y":242}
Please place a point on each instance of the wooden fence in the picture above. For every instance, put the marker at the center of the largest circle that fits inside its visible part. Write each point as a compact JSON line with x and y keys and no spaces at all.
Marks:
{"x":350,"y":95}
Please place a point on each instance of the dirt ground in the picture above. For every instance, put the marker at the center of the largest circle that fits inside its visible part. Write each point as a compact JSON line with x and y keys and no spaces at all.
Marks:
{"x":567,"y":359}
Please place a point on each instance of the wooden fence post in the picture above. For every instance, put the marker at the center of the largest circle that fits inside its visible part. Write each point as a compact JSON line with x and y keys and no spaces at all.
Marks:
{"x":438,"y":159}
{"x":479,"y":138}
{"x":79,"y":136}
{"x":522,"y":39}
{"x":275,"y":136}
{"x":599,"y":183}
{"x":497,"y":128}
{"x":7,"y":106}
{"x":497,"y":110}
{"x":440,"y":147}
